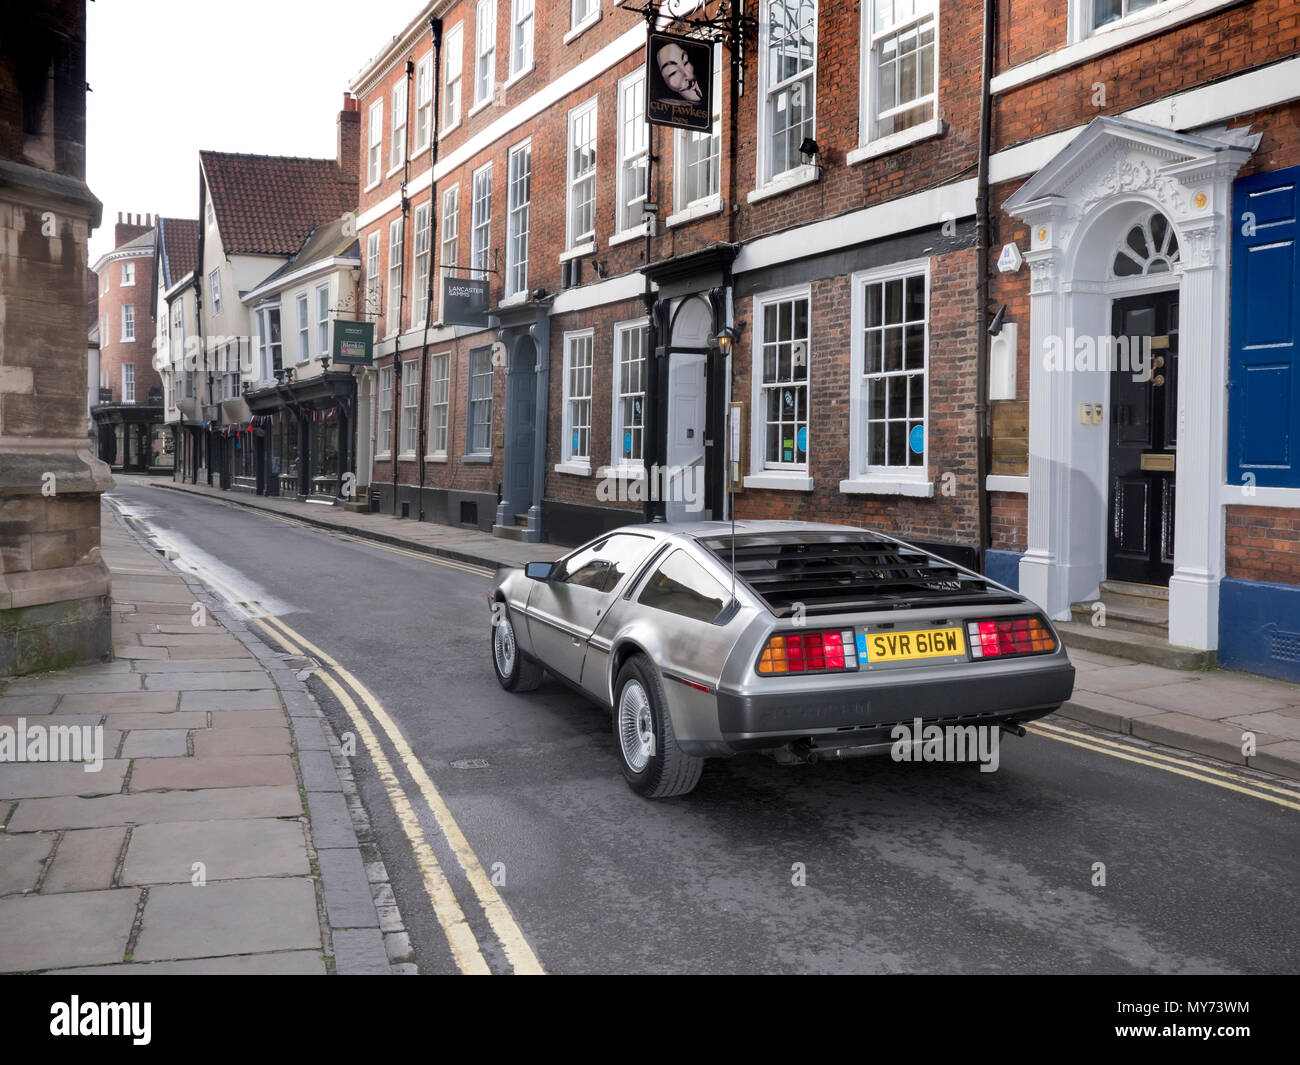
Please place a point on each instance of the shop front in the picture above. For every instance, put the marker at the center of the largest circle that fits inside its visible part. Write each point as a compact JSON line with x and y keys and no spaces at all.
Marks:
{"x":299,"y":440}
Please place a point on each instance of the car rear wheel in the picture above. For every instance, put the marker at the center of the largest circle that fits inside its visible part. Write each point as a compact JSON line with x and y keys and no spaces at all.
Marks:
{"x":514,"y":672}
{"x":652,"y":763}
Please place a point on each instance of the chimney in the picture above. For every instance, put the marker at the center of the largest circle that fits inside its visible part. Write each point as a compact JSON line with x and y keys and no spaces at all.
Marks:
{"x":348,"y":155}
{"x":128,"y":228}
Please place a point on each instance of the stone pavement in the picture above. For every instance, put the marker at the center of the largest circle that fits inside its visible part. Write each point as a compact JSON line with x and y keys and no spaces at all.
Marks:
{"x":1207,"y":713}
{"x":217,"y":835}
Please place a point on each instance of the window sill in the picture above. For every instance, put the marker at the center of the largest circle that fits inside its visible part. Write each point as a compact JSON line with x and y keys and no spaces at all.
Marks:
{"x":393,"y":171}
{"x":998,"y":482}
{"x":783,"y":482}
{"x":692,"y":211}
{"x":583,"y":27}
{"x":577,"y":469}
{"x":627,"y":236}
{"x":384,"y":456}
{"x":782,"y":183}
{"x":480,"y":105}
{"x":482,"y":458}
{"x":406,"y":456}
{"x":448,"y":129}
{"x":373,"y":185}
{"x":589,"y":248}
{"x":884,"y":486}
{"x":518,"y":299}
{"x":621,"y":473}
{"x":520,"y":75}
{"x":895,"y":141}
{"x":418,"y":152}
{"x":435,"y":458}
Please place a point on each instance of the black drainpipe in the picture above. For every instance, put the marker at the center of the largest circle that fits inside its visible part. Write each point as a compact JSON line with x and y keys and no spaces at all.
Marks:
{"x":435,"y":34}
{"x":399,"y":371}
{"x":982,"y":287}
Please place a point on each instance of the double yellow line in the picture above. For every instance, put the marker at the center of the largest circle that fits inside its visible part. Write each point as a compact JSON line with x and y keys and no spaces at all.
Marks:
{"x":465,"y":948}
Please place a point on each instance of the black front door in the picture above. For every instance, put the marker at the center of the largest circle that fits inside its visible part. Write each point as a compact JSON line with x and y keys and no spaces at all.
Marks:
{"x":521,"y":425}
{"x":1143,"y":424}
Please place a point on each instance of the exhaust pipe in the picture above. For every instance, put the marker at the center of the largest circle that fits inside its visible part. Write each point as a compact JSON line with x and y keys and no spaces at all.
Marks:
{"x":1015,"y":728}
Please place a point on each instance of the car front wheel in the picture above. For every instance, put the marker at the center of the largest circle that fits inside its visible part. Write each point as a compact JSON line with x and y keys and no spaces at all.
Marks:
{"x":652,"y":763}
{"x":514,"y":672}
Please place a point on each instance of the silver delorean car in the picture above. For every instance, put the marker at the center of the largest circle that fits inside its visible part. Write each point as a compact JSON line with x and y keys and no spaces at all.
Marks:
{"x":804,"y":640}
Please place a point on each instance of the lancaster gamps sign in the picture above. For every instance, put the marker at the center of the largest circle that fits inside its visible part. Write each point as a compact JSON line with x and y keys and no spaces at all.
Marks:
{"x":465,"y":301}
{"x":354,"y":343}
{"x":680,"y":89}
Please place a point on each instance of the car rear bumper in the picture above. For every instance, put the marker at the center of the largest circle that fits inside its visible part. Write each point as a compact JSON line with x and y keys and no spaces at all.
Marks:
{"x":865,"y":714}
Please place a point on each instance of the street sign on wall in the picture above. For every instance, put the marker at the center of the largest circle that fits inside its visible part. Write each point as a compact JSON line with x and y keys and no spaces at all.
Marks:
{"x":465,"y":301}
{"x":354,"y":343}
{"x":680,"y":83}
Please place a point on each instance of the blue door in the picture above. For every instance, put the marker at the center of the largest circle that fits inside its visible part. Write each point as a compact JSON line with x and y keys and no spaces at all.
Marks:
{"x":1263,"y":377}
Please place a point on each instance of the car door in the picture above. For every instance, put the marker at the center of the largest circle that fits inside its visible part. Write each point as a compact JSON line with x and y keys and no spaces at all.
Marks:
{"x":563,"y":612}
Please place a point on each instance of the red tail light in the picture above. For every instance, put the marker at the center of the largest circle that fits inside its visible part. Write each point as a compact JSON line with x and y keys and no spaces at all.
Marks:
{"x":809,"y":652}
{"x":1006,"y":637}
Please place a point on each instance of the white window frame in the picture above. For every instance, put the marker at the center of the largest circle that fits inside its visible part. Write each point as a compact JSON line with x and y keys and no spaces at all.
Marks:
{"x":519,"y":179}
{"x":572,"y":460}
{"x":128,"y":382}
{"x":214,"y":290}
{"x":322,"y":320}
{"x":685,"y":209}
{"x":396,"y":244}
{"x":208,"y":211}
{"x":410,"y":438}
{"x":1082,"y":11}
{"x":375,"y":144}
{"x":865,"y":478}
{"x":582,"y":13}
{"x":384,"y":418}
{"x":397,"y":128}
{"x":268,"y":348}
{"x":586,"y":239}
{"x":303,"y":308}
{"x":485,"y":355}
{"x":128,"y":274}
{"x":371,"y":294}
{"x":449,"y":245}
{"x":628,"y":216}
{"x":453,"y":78}
{"x":439,"y":406}
{"x":485,"y":53}
{"x":423,"y":105}
{"x":618,"y":462}
{"x":480,"y":222}
{"x":770,"y":181}
{"x":868,"y":146}
{"x":793,"y":476}
{"x":420,"y":275}
{"x":128,"y":323}
{"x":523,"y":19}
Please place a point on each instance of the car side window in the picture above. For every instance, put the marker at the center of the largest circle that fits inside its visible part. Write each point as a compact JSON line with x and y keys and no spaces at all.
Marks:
{"x":680,"y":585}
{"x":625,"y":552}
{"x":591,"y":574}
{"x":606,"y":562}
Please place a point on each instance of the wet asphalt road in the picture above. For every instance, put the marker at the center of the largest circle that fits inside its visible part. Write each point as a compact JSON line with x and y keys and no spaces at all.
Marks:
{"x":908,"y":868}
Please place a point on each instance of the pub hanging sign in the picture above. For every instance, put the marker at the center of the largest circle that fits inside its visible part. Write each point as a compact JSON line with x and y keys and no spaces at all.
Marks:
{"x":680,"y":89}
{"x":465,"y":301}
{"x":354,"y":343}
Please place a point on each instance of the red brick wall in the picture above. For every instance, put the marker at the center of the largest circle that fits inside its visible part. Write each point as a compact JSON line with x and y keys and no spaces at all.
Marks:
{"x":1263,"y":544}
{"x":113,"y":353}
{"x":1008,"y":521}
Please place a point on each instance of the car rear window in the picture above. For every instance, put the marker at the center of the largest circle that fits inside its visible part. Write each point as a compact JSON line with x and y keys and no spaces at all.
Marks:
{"x":681,"y":586}
{"x":825,"y":573}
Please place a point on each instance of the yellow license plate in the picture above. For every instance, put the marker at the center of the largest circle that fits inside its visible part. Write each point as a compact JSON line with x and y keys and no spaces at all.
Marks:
{"x":914,"y":643}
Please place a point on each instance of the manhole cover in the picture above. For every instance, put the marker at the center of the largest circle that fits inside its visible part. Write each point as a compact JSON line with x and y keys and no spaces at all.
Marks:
{"x":470,"y":763}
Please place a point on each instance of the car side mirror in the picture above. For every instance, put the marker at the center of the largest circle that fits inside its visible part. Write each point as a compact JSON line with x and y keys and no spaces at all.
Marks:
{"x":539,"y":571}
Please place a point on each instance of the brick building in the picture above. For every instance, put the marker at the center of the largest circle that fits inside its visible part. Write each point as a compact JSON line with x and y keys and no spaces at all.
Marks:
{"x":128,"y":406}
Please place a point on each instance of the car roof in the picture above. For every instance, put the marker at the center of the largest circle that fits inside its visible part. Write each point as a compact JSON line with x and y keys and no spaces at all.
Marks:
{"x":699,"y":530}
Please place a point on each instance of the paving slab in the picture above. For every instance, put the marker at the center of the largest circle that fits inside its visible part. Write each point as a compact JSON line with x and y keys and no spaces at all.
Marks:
{"x":261,"y":699}
{"x":1202,"y":698}
{"x":5,"y":807}
{"x":203,"y":805}
{"x":39,"y":780}
{"x":248,"y":664}
{"x":228,"y":917}
{"x":278,"y":963}
{"x":1128,"y":678}
{"x":1281,"y":758}
{"x":223,"y":719}
{"x":309,"y":734}
{"x":184,"y":654}
{"x":318,"y":772}
{"x":141,"y":702}
{"x":22,"y":857}
{"x":86,"y":860}
{"x":191,"y":641}
{"x":1190,"y":733}
{"x":187,"y":682}
{"x":177,"y":719}
{"x":348,"y":902}
{"x":216,"y":742}
{"x":28,"y":705}
{"x":134,"y":590}
{"x":53,"y":931}
{"x":229,"y":850}
{"x":156,"y":743}
{"x":360,"y":952}
{"x":52,"y":721}
{"x":142,"y":653}
{"x":48,"y":683}
{"x":1284,"y":723}
{"x":331,"y":823}
{"x":152,"y":774}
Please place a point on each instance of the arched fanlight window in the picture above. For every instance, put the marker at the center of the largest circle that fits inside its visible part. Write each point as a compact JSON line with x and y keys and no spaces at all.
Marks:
{"x":1149,"y":247}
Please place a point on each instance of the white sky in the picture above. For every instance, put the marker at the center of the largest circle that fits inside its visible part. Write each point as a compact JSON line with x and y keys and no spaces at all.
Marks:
{"x":169,"y":77}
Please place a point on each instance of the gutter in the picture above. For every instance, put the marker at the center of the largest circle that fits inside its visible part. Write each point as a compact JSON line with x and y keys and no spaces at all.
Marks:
{"x":422,"y":432}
